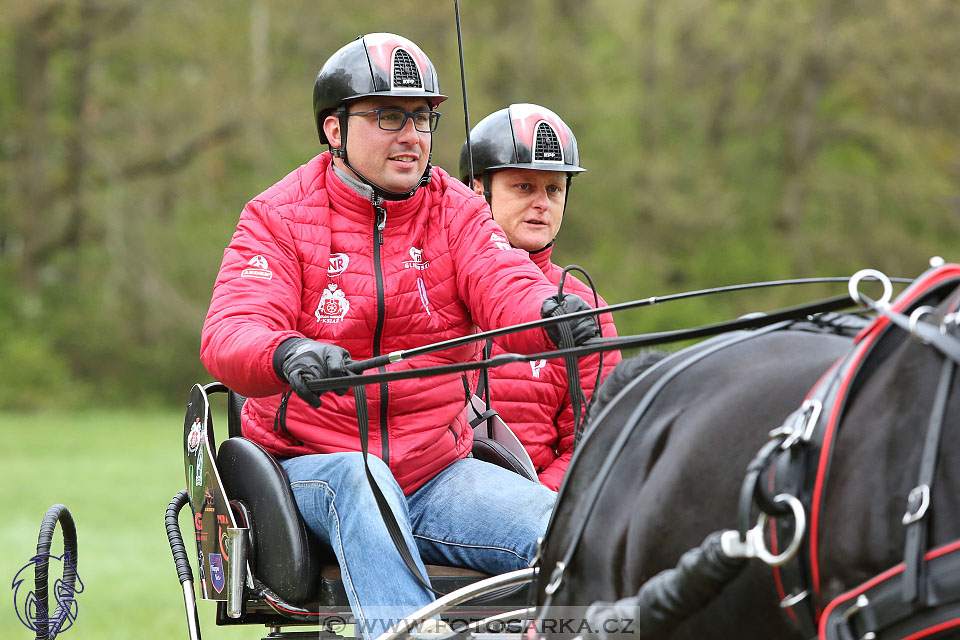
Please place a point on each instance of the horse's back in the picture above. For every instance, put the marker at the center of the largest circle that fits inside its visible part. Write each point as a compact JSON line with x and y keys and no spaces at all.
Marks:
{"x":653,"y":476}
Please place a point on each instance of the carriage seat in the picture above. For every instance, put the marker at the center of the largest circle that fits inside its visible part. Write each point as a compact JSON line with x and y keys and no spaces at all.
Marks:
{"x":283,"y":554}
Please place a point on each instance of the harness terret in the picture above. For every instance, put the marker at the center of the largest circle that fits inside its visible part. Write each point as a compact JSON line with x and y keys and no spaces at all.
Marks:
{"x":917,"y":598}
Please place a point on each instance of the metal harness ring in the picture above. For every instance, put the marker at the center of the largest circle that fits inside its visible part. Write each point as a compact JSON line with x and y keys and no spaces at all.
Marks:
{"x":915,"y":318}
{"x":853,"y":287}
{"x":799,"y":530}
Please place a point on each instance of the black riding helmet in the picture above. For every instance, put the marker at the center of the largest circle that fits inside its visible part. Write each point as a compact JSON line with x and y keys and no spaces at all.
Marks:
{"x":522,"y":136}
{"x":377,"y":64}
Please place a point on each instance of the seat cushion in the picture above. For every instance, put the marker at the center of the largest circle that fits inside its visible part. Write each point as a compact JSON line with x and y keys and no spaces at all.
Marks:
{"x":286,"y":557}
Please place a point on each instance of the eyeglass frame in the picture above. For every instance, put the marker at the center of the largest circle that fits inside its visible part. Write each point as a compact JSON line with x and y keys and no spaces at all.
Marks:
{"x":407,"y":115}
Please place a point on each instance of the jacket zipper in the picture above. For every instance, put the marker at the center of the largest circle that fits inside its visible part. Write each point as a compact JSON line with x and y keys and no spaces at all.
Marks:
{"x":380,"y":222}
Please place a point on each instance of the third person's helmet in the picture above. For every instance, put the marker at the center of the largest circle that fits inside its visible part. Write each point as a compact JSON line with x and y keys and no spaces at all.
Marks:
{"x":522,"y":136}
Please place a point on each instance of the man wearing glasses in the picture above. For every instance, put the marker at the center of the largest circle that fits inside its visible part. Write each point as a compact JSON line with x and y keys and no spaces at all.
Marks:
{"x":363,"y":251}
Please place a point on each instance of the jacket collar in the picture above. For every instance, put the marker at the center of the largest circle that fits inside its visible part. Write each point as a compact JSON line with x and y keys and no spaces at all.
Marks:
{"x":345,"y":200}
{"x":541,"y":257}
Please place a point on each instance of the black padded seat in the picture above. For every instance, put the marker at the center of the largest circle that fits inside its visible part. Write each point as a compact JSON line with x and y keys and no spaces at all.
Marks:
{"x":285,"y":556}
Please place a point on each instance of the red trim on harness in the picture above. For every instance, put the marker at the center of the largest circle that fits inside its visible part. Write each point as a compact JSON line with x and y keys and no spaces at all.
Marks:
{"x":781,"y":592}
{"x":937,"y":628}
{"x":877,"y":579}
{"x":863,"y":341}
{"x":825,"y":459}
{"x":776,"y":570}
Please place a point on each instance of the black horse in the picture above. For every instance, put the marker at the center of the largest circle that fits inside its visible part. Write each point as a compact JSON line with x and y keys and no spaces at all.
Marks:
{"x":662,"y":466}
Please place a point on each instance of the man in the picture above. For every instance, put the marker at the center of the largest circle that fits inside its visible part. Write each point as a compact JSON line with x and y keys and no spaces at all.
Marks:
{"x":524,"y":158}
{"x":367,"y":250}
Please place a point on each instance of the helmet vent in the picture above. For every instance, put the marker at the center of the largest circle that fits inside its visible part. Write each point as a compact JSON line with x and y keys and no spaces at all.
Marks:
{"x":406,"y":75}
{"x":546,"y":144}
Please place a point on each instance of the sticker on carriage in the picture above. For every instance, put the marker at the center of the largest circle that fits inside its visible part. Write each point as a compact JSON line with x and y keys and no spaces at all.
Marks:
{"x":338,"y":264}
{"x":417,"y":261}
{"x":208,"y":500}
{"x":196,"y":433}
{"x":500,"y":242}
{"x":33,"y":614}
{"x":216,"y":572}
{"x":257,"y":268}
{"x":333,"y":305}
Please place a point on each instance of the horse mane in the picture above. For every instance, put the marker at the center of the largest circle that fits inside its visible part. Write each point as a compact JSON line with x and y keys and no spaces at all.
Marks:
{"x":625,"y":372}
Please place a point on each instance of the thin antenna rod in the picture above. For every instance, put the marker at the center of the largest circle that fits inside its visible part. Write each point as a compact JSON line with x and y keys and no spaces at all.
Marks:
{"x":463,"y":86}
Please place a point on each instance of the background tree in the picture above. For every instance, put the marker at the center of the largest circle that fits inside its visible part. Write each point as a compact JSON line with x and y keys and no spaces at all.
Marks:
{"x":726,"y":141}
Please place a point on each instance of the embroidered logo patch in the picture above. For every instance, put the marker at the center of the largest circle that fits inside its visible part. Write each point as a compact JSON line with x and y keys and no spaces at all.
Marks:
{"x":417,"y":262}
{"x":500,"y":242}
{"x":338,"y":264}
{"x":537,"y":366}
{"x":257,"y":268}
{"x":333,"y":305}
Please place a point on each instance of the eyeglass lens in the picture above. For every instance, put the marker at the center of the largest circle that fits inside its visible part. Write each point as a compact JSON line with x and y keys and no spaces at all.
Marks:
{"x":396,"y":119}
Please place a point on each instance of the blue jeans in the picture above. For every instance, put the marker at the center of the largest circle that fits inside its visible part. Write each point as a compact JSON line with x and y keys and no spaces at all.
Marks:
{"x":472,"y":514}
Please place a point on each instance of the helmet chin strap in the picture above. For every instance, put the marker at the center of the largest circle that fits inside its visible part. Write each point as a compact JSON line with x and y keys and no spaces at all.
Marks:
{"x":386,"y":194}
{"x":488,"y":196}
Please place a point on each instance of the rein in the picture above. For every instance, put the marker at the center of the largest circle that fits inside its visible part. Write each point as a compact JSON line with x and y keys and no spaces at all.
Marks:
{"x":397,"y":356}
{"x":592,"y":346}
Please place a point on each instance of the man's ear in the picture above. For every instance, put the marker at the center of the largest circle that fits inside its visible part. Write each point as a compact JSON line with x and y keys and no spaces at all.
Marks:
{"x":331,"y":127}
{"x":478,"y":186}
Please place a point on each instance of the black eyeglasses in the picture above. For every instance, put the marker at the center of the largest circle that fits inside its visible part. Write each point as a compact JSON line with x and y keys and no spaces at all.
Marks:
{"x":396,"y":119}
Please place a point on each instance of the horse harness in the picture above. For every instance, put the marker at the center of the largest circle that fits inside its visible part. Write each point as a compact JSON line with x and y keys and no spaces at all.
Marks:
{"x":920,"y":596}
{"x":828,"y":322}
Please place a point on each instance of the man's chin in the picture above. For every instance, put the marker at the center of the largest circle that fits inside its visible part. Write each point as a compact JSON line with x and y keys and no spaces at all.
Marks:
{"x":529,"y":244}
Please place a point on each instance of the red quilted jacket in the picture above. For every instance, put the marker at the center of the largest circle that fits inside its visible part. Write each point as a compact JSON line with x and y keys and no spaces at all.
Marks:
{"x":533,"y":397}
{"x":304,"y":261}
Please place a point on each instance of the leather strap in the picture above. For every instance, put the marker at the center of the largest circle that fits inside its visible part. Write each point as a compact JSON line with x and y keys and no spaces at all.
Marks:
{"x":389,"y":519}
{"x":918,"y":502}
{"x":483,"y":417}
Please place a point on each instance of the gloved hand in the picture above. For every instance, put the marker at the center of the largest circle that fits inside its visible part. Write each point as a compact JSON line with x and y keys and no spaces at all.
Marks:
{"x":582,"y":328}
{"x":299,"y":360}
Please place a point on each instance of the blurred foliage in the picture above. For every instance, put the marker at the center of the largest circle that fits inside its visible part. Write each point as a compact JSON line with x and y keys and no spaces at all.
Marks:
{"x":726,"y":140}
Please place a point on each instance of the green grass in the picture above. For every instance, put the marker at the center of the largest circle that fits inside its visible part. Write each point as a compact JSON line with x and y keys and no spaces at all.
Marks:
{"x":116,"y":471}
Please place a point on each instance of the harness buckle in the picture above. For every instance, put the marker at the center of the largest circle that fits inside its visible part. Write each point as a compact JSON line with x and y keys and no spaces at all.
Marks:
{"x":860,"y":603}
{"x":921,"y":493}
{"x":555,"y":579}
{"x":536,"y":554}
{"x":794,"y":599}
{"x":802,"y":423}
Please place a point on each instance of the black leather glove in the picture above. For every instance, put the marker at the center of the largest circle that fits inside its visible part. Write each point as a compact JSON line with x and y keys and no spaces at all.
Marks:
{"x":302,"y":360}
{"x":582,"y":328}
